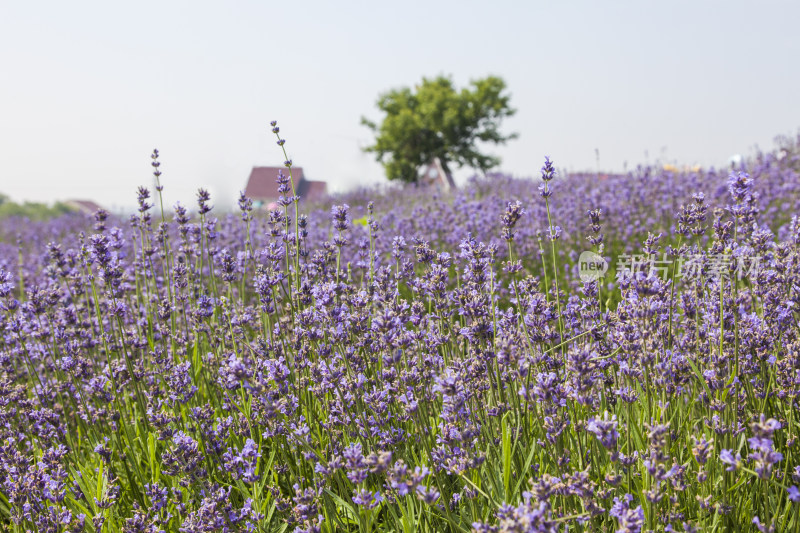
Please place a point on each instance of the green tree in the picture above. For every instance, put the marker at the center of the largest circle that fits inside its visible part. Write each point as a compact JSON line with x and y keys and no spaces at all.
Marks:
{"x":436,"y":120}
{"x":32,"y":210}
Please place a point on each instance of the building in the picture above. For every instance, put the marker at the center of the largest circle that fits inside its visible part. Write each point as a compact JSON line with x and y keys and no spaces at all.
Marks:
{"x":86,"y":207}
{"x":435,"y":175}
{"x":262,"y":186}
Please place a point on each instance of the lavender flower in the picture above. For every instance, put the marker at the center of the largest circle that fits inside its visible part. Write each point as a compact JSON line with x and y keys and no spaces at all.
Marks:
{"x":244,"y":464}
{"x":734,"y":463}
{"x":630,"y":520}
{"x":605,"y":429}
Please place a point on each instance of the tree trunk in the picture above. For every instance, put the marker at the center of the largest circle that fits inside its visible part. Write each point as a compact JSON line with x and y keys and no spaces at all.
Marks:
{"x":447,"y":175}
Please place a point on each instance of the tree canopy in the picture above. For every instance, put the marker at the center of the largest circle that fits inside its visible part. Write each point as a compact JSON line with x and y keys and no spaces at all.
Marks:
{"x":436,"y":120}
{"x":32,"y":210}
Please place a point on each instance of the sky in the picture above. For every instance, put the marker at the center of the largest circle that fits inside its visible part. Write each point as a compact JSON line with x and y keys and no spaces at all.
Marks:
{"x":88,"y":89}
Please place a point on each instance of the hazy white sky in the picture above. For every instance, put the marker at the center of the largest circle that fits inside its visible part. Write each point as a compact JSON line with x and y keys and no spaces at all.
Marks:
{"x":88,"y":89}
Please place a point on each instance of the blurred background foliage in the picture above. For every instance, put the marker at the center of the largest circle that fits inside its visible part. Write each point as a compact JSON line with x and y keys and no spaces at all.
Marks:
{"x":31,"y":210}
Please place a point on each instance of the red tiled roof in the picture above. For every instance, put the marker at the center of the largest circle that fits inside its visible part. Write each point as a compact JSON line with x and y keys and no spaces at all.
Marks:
{"x":263,"y":186}
{"x":84,"y":206}
{"x":312,"y":190}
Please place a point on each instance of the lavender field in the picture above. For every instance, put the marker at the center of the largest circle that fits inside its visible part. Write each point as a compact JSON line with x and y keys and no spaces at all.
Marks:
{"x":412,"y":361}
